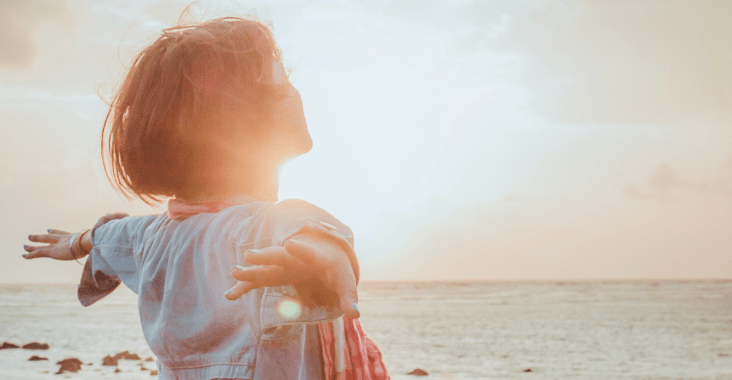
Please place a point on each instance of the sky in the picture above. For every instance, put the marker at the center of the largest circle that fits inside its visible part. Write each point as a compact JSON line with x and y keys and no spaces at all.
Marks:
{"x":460,"y":140}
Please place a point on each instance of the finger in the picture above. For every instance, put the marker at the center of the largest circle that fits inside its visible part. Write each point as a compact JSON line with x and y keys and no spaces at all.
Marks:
{"x":241,"y":288}
{"x":58,"y":232}
{"x":272,"y":256}
{"x":35,"y":252}
{"x":45,"y":238}
{"x":303,"y":251}
{"x":30,"y":248}
{"x":343,"y":282}
{"x":260,"y":275}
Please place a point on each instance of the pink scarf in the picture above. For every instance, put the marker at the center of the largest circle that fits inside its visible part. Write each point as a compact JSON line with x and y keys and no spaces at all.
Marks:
{"x":180,"y":209}
{"x":356,"y":357}
{"x":347,"y":353}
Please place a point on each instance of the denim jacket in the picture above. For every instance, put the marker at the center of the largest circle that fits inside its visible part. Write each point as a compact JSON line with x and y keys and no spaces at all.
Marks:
{"x":180,"y":270}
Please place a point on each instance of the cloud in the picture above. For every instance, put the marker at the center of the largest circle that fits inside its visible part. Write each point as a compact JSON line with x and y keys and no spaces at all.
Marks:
{"x":21,"y":22}
{"x":665,"y":181}
{"x":514,"y":197}
{"x":625,"y":61}
{"x":605,"y":237}
{"x":580,"y":62}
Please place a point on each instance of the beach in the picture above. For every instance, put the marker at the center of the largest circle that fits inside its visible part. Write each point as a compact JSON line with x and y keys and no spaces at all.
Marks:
{"x":451,"y":330}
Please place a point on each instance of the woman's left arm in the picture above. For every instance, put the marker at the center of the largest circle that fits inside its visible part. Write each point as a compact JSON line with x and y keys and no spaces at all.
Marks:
{"x":305,"y":256}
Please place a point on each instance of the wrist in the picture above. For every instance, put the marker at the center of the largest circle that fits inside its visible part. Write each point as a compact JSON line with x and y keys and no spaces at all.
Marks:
{"x":80,"y":244}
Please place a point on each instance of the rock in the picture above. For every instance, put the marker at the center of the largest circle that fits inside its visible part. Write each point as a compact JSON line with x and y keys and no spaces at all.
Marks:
{"x":113,"y":360}
{"x":723,"y":355}
{"x":150,"y":359}
{"x":70,"y":364}
{"x":418,"y":372}
{"x":36,"y":358}
{"x":528,"y":370}
{"x":108,"y":360}
{"x":36,"y":346}
{"x":117,"y":370}
{"x":126,"y":355}
{"x":8,"y":345}
{"x":142,"y":368}
{"x":120,"y":355}
{"x":154,"y":372}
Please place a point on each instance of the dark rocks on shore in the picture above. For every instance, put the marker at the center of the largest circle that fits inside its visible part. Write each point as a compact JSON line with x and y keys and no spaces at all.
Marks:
{"x":109,"y":360}
{"x":29,"y":346}
{"x":150,"y":359}
{"x":528,"y":370}
{"x":36,"y":346}
{"x":70,"y":364}
{"x":418,"y":372}
{"x":125,"y":355}
{"x":36,"y":358}
{"x":154,"y":372}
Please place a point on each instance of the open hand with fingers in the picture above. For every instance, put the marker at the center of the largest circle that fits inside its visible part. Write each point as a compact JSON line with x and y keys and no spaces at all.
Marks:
{"x":303,"y":257}
{"x":64,"y":245}
{"x":59,"y":246}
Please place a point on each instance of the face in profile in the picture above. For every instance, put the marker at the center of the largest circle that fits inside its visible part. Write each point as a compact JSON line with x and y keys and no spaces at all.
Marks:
{"x":289,"y":127}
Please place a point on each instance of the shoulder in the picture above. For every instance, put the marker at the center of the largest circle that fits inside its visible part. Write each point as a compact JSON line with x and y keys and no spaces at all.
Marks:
{"x":124,"y":229}
{"x":292,"y":215}
{"x":297,"y":208}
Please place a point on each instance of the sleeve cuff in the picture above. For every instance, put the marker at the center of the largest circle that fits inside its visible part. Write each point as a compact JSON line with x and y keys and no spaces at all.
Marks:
{"x":94,"y":285}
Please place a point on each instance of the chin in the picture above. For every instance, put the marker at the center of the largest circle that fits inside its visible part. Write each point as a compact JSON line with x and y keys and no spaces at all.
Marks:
{"x":308,"y":145}
{"x":301,"y":144}
{"x":296,"y":148}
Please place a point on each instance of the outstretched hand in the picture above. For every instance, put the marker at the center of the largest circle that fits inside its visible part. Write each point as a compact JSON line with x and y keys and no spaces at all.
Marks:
{"x":302,"y":258}
{"x":58,"y":247}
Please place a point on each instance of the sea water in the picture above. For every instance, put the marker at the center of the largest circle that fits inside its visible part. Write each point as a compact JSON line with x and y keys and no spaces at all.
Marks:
{"x":471,"y":330}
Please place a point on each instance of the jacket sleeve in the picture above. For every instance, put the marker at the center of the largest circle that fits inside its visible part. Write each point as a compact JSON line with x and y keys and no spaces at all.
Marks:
{"x":114,"y":258}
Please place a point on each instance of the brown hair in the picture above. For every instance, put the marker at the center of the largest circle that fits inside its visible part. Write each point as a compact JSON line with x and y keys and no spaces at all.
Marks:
{"x":194,"y":90}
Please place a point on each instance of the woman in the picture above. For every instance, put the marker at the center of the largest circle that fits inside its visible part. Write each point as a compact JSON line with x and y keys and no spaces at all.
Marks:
{"x":205,"y":116}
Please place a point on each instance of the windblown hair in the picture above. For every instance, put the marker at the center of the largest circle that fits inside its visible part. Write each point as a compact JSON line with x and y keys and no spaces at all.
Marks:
{"x":195,"y":89}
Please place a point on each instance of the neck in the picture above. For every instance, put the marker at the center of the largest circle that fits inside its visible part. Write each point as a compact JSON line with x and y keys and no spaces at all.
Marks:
{"x":260,"y":182}
{"x":264,"y":185}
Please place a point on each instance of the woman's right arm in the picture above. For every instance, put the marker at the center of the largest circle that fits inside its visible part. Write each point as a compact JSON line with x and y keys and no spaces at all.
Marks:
{"x":60,"y":245}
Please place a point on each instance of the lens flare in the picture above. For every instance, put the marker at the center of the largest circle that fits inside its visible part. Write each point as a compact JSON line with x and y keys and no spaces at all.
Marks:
{"x":289,"y":309}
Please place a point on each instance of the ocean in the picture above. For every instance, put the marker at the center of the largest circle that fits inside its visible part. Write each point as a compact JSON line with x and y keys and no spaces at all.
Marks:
{"x":451,"y":330}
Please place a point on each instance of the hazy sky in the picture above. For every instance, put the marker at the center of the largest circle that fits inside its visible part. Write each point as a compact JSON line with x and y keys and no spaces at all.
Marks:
{"x":459,"y":139}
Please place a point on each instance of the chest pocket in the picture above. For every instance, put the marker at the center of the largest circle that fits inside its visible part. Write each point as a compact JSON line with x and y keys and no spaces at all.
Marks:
{"x":276,"y":334}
